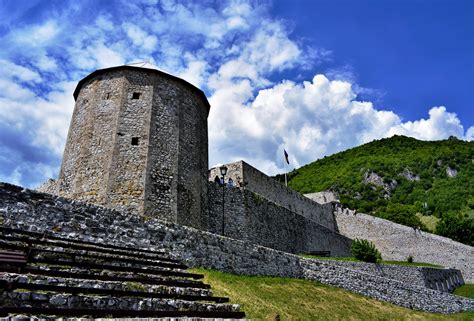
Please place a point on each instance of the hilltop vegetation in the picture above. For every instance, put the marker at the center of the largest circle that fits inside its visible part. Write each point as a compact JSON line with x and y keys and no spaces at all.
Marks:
{"x":423,"y":184}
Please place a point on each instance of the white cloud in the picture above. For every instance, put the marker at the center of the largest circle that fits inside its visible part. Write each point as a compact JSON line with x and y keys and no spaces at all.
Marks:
{"x":11,"y":70}
{"x":194,"y":72}
{"x":439,"y":125}
{"x":139,"y":37}
{"x":271,"y":49}
{"x":470,"y":134}
{"x":309,"y":120}
{"x":37,"y":35}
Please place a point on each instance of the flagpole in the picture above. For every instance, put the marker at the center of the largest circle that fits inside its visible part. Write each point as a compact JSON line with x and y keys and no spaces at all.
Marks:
{"x":286,"y":161}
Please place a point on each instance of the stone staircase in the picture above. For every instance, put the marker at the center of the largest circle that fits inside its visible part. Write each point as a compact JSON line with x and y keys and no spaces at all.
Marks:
{"x":49,"y":276}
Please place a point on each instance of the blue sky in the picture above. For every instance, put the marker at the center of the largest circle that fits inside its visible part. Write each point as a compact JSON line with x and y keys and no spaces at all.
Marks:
{"x":313,"y":77}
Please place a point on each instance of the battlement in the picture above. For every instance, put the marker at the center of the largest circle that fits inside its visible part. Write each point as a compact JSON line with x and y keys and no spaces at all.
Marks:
{"x":248,"y":177}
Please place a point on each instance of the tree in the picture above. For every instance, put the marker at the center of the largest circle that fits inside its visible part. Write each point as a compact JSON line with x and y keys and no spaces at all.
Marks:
{"x":456,"y":227}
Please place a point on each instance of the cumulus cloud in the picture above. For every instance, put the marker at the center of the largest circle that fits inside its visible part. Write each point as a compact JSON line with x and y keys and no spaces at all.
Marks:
{"x":439,"y":125}
{"x":310,"y":120}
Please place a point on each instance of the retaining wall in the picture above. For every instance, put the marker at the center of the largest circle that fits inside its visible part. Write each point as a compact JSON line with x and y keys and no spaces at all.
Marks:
{"x":397,"y":242}
{"x":445,"y":280}
{"x":28,"y":210}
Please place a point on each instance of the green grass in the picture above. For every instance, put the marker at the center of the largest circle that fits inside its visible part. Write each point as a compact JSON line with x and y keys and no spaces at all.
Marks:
{"x":272,"y":298}
{"x":467,"y":290}
{"x":353,"y":259}
{"x":335,"y":258}
{"x":412,"y":264}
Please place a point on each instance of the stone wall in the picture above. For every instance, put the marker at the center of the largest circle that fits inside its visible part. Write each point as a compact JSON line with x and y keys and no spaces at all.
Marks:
{"x":251,"y":217}
{"x":323,"y":197}
{"x":253,"y":180}
{"x":397,"y":242}
{"x":445,"y":280}
{"x":49,"y":187}
{"x":138,"y":142}
{"x":28,"y":210}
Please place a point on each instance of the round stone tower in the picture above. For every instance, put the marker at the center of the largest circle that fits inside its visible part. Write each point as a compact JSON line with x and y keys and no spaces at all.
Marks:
{"x":138,"y":141}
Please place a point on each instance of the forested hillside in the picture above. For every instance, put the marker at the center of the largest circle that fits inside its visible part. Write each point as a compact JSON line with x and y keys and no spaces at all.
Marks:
{"x":423,"y":184}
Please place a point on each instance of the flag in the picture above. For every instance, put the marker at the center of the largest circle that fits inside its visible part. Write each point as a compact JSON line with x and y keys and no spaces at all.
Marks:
{"x":286,"y":157}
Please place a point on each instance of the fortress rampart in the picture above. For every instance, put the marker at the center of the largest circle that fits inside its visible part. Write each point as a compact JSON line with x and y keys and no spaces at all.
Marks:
{"x":249,"y":216}
{"x":397,"y":242}
{"x":251,"y":179}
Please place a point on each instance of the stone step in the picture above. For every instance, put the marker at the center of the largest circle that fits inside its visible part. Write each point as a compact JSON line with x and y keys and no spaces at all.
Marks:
{"x":114,"y":315}
{"x":87,"y":274}
{"x":28,"y":281}
{"x":24,"y":242}
{"x":18,"y":301}
{"x":100,"y":255}
{"x":114,"y":267}
{"x":102,"y":289}
{"x":70,"y":278}
{"x":50,"y":236}
{"x":13,"y":317}
{"x":86,"y":256}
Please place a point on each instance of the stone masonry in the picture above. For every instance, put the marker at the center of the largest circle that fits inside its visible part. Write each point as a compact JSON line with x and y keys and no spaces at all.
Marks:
{"x":397,"y":242}
{"x":138,"y":141}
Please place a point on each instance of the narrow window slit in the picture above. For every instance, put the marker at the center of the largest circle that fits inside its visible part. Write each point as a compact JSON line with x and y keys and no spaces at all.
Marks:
{"x":136,"y":95}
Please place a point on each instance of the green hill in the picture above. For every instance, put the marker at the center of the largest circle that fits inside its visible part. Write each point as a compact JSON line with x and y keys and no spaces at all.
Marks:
{"x":424,"y":184}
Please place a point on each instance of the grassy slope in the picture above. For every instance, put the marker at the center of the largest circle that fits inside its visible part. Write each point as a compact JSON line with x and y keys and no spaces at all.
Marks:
{"x":263,"y":298}
{"x":466,"y":290}
{"x":443,"y":195}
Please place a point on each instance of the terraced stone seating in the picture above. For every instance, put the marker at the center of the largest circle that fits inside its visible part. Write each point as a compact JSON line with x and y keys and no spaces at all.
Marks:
{"x":51,"y":276}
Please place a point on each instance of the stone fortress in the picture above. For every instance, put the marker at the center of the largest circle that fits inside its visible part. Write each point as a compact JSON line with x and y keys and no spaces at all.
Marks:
{"x":138,"y":142}
{"x":137,"y":145}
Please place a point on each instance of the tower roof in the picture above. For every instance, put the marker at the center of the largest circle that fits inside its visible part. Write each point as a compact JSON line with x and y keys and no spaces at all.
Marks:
{"x":158,"y":72}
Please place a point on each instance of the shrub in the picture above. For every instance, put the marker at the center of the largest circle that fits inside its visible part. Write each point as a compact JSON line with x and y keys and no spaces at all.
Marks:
{"x":456,"y":227}
{"x":365,"y":251}
{"x":410,"y":259}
